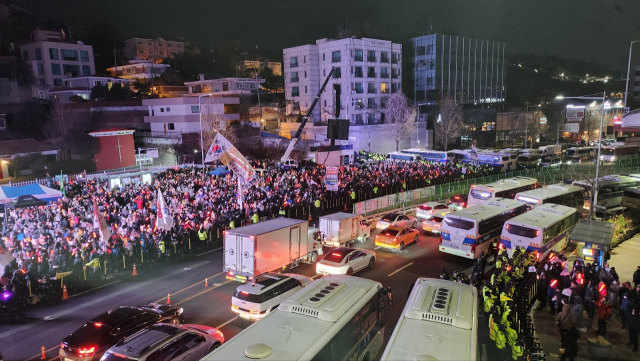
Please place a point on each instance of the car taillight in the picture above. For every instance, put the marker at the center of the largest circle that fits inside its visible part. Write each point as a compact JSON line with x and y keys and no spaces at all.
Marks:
{"x":394,"y":239}
{"x":473,"y":248}
{"x":87,"y":351}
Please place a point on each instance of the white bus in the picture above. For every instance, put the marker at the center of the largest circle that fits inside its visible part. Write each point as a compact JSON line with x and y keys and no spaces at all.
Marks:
{"x":402,"y":157}
{"x":471,"y":231}
{"x":618,"y":152}
{"x":506,"y":188}
{"x":631,"y":198}
{"x":541,"y":230}
{"x":564,"y":194}
{"x":584,"y":153}
{"x":440,"y":319}
{"x":432,"y":155}
{"x":333,"y":318}
{"x":609,"y":193}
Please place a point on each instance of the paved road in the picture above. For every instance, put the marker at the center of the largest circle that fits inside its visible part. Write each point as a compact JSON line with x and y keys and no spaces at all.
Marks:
{"x":208,"y":306}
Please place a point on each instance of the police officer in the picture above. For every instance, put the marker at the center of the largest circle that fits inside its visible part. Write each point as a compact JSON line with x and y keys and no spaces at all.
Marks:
{"x":202,"y":235}
{"x":255,"y":218}
{"x":281,"y":212}
{"x":232,"y":224}
{"x":444,"y":275}
{"x":161,"y":249}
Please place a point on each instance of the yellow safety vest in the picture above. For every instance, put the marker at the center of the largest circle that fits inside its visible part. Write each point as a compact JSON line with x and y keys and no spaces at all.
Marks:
{"x":317,"y":203}
{"x":255,"y":218}
{"x":161,"y":246}
{"x":353,"y":195}
{"x":501,"y":341}
{"x":512,"y":335}
{"x":375,"y":190}
{"x":232,"y":224}
{"x":282,"y":212}
{"x":492,"y":329}
{"x":516,"y":351}
{"x":202,"y":235}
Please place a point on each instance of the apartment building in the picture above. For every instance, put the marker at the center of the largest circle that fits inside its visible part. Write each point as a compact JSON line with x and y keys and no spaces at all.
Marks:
{"x":237,"y":85}
{"x":275,"y":66}
{"x":367,"y":72}
{"x":152,"y":49}
{"x":51,"y":58}
{"x":470,"y":71}
{"x":138,"y":70}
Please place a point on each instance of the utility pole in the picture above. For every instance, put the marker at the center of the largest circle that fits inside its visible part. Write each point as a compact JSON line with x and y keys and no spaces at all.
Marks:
{"x":115,"y":61}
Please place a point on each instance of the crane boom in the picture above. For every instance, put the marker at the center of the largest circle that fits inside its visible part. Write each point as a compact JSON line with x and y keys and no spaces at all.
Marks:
{"x":296,"y":137}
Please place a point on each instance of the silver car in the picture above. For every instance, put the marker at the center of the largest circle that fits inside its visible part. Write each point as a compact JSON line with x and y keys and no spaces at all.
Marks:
{"x":397,"y":219}
{"x":345,"y":261}
{"x":164,"y":341}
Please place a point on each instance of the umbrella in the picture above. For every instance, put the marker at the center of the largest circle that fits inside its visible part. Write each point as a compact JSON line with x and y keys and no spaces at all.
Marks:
{"x":219,"y":171}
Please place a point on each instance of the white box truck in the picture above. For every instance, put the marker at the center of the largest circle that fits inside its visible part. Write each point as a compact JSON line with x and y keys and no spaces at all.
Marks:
{"x":268,"y":246}
{"x":340,"y":228}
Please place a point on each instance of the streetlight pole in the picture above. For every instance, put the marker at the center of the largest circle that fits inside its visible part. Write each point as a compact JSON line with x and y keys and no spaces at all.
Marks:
{"x":626,"y":88}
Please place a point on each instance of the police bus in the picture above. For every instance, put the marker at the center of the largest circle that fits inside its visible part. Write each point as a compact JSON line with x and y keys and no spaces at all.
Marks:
{"x":609,"y":193}
{"x":506,"y":188}
{"x":541,"y":230}
{"x":631,"y":197}
{"x":503,"y":161}
{"x":432,"y":155}
{"x":333,"y":318}
{"x":402,"y":157}
{"x":565,"y":194}
{"x":440,"y":320}
{"x":618,"y":152}
{"x":471,"y":231}
{"x":584,"y":153}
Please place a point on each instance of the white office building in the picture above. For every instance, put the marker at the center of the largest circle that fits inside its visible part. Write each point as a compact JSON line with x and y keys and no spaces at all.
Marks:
{"x":367,"y":72}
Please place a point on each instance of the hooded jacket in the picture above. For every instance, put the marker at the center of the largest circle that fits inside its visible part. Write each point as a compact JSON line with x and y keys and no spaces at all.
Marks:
{"x":564,"y":317}
{"x":576,"y":312}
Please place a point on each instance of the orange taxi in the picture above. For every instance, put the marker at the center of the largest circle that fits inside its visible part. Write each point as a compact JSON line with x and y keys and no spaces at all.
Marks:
{"x":396,"y":237}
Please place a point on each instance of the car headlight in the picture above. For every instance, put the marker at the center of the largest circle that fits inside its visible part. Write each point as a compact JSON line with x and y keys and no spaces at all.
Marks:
{"x":180,"y":310}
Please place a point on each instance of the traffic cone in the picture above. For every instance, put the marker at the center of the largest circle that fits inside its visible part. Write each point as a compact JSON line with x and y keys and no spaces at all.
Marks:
{"x":135,"y":270}
{"x":309,"y":216}
{"x":44,"y":355}
{"x":65,"y":294}
{"x":206,"y":282}
{"x":168,"y":298}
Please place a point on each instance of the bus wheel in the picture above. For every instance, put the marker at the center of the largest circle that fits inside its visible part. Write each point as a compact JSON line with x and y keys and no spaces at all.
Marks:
{"x":401,"y":246}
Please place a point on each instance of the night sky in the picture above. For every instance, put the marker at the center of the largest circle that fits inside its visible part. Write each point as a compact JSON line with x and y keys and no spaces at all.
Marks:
{"x":590,"y":30}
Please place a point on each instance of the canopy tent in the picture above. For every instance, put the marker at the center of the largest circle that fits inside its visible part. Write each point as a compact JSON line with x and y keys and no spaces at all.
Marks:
{"x":8,"y":194}
{"x":219,"y":171}
{"x":25,"y":201}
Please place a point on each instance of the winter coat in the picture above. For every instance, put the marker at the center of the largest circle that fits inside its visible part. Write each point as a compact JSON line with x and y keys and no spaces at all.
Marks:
{"x":570,"y":343}
{"x":576,"y":312}
{"x":565,"y":318}
{"x":590,"y":294}
{"x":633,"y":321}
{"x":604,"y":310}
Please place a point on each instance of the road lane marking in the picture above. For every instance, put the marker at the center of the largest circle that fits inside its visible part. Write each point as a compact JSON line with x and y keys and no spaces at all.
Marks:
{"x":226,"y":323}
{"x":93,"y":289}
{"x":205,"y":291}
{"x":186,"y":288}
{"x":213,"y":250}
{"x":37,"y":357}
{"x":86,"y":304}
{"x":399,"y":269}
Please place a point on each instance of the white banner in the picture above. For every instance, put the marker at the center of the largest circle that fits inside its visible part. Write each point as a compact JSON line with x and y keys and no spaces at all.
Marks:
{"x":222,"y":149}
{"x":163,"y":218}
{"x":105,"y":233}
{"x":5,"y":257}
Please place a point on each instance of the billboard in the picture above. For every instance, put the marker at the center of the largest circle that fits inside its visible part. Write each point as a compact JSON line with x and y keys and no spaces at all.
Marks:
{"x":574,"y":115}
{"x":332,"y":178}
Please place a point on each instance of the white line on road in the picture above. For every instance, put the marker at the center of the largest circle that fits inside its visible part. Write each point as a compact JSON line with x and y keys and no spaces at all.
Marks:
{"x":93,"y":289}
{"x":37,"y":357}
{"x":205,"y":291}
{"x":86,"y":304}
{"x":399,"y":269}
{"x":186,"y":288}
{"x":213,"y":250}
{"x":226,"y":323}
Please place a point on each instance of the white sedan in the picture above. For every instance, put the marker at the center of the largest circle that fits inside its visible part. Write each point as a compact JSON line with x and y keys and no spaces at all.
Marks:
{"x":396,"y":219}
{"x":430,"y":209}
{"x":345,"y":261}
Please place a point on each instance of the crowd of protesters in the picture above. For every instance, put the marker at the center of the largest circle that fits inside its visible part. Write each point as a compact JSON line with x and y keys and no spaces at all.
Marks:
{"x":60,"y":237}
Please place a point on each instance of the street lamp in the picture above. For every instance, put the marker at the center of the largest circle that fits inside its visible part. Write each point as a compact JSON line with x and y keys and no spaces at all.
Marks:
{"x":626,"y":87}
{"x":594,"y":202}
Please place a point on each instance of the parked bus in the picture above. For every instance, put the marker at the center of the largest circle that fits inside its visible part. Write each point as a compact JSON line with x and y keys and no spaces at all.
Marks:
{"x":432,"y":155}
{"x":529,"y":160}
{"x":584,"y":153}
{"x":541,"y":230}
{"x":506,"y":188}
{"x":402,"y":157}
{"x":564,"y":194}
{"x":440,"y":319}
{"x":462,"y":155}
{"x":497,"y":160}
{"x":336,"y":317}
{"x":631,"y":197}
{"x":618,"y":152}
{"x":609,"y":194}
{"x":471,"y":231}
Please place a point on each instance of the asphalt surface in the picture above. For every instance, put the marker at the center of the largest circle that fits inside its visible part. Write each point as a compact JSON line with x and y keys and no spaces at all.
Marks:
{"x":211,"y":305}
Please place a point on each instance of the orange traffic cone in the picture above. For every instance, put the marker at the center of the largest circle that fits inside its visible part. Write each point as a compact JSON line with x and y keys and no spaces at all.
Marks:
{"x":168,"y":298}
{"x":44,"y":355}
{"x":135,"y":270}
{"x":309,"y":216}
{"x":206,"y":282}
{"x":65,"y":294}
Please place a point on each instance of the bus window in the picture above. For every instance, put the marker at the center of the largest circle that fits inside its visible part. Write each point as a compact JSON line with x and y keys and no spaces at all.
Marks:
{"x":459,"y":223}
{"x":522,"y":231}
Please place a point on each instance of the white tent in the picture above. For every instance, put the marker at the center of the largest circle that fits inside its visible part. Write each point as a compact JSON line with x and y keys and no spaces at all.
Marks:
{"x":8,"y":194}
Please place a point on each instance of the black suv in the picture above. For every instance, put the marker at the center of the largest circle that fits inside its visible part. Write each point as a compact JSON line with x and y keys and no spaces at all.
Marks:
{"x":94,"y":338}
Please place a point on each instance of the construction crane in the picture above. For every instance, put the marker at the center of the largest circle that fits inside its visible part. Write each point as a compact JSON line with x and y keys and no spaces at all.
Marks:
{"x":296,"y":137}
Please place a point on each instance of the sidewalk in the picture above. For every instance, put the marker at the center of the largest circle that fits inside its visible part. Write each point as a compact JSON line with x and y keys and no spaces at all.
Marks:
{"x":625,"y":258}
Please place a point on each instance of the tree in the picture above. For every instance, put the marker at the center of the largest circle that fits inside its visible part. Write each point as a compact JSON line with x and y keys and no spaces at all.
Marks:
{"x":212,"y":124}
{"x":589,"y":127}
{"x":534,"y":127}
{"x":449,"y":125}
{"x":400,"y":116}
{"x":116,"y":92}
{"x":68,"y":129}
{"x":30,"y":118}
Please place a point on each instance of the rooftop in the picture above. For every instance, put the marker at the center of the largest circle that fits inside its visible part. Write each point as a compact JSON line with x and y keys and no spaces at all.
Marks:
{"x":23,"y":146}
